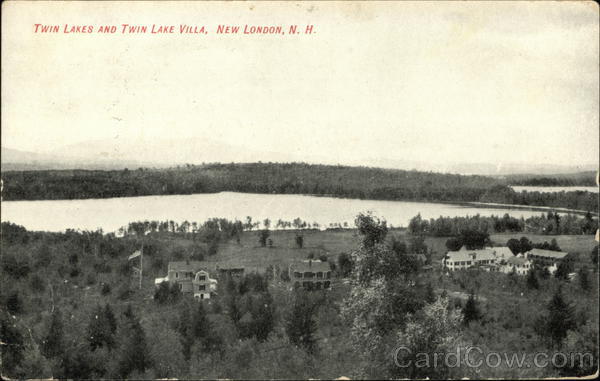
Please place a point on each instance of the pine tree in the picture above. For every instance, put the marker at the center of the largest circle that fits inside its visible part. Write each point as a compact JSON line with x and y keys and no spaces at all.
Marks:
{"x":200,"y":323}
{"x":53,"y":342}
{"x":110,"y":318}
{"x":263,"y":316}
{"x":584,"y":280}
{"x":12,"y":345}
{"x":430,"y":293}
{"x":300,"y":324}
{"x":532,"y":281}
{"x":185,"y":329}
{"x":134,"y":354}
{"x":560,"y":318}
{"x":101,"y":328}
{"x":471,"y":311}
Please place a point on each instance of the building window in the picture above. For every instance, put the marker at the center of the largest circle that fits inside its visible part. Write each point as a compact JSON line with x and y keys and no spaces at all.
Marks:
{"x":319,"y":275}
{"x":176,"y":275}
{"x":326,"y":284}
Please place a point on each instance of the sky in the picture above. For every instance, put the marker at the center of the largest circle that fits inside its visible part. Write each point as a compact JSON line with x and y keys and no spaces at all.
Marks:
{"x":489,"y":82}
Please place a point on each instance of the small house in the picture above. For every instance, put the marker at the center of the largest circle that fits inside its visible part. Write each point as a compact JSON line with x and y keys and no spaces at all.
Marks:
{"x":311,"y":274}
{"x":191,"y":277}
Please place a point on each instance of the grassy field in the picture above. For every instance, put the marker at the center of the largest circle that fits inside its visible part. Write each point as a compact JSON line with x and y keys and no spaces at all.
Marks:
{"x":248,"y":253}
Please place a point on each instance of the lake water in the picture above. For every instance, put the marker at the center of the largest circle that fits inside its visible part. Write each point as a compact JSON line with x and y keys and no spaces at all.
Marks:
{"x":112,"y":213}
{"x":554,"y":189}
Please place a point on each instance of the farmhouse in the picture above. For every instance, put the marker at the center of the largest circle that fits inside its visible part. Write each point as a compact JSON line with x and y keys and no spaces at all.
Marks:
{"x":311,"y":274}
{"x":191,"y":278}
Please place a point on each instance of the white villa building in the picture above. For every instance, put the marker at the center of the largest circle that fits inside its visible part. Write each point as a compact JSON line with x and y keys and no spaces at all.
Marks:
{"x":499,"y":258}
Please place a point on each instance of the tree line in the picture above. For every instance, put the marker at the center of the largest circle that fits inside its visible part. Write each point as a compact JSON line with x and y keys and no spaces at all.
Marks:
{"x":291,"y":178}
{"x":551,"y":223}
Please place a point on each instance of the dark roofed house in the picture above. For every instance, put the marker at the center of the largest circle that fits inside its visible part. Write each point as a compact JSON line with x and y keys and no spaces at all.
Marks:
{"x":191,"y":277}
{"x":234,"y":272}
{"x":311,"y":274}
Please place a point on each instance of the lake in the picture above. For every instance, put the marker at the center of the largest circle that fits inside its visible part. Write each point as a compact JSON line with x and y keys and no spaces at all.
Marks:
{"x":554,"y":189}
{"x":112,"y":213}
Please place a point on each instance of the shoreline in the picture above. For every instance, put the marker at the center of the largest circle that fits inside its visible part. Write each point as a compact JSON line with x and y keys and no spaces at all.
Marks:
{"x":474,"y":204}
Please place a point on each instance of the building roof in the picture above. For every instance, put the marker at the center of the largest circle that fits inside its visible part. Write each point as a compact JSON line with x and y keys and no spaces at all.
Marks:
{"x":192,"y":266}
{"x":517,"y":261}
{"x":547,"y":253}
{"x":503,"y":252}
{"x":467,"y":255}
{"x":313,"y":265}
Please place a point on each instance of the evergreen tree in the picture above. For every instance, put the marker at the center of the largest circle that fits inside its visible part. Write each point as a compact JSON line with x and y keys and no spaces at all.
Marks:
{"x":186,"y":331}
{"x":111,"y":320}
{"x":12,"y":345}
{"x":263,"y":235}
{"x":101,"y":328}
{"x":53,"y":342}
{"x":134,"y":352}
{"x":430,"y":294}
{"x":200,"y":324}
{"x":559,"y":321}
{"x":345,"y":265}
{"x":299,"y":240}
{"x":471,"y":311}
{"x":263,"y":311}
{"x":532,"y":281}
{"x":300,"y":324}
{"x":565,"y":267}
{"x":545,"y":273}
{"x":584,"y":280}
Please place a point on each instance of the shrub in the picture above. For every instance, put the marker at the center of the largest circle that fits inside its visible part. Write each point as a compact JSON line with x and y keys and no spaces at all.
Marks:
{"x":105,"y":290}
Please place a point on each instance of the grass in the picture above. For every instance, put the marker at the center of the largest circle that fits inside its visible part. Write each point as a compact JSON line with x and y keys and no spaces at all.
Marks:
{"x":248,"y":253}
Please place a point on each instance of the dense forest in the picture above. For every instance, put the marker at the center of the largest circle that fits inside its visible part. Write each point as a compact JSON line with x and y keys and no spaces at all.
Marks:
{"x":294,"y":178}
{"x":558,"y":180}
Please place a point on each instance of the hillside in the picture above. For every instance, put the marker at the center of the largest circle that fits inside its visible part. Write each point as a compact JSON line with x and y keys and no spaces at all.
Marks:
{"x":291,"y":178}
{"x":587,"y":178}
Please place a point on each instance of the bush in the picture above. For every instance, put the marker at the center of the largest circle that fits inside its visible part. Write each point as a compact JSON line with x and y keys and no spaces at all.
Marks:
{"x":14,"y":303}
{"x":105,"y":290}
{"x":37,"y":283}
{"x":74,"y":272}
{"x":124,"y":292}
{"x":90,"y":279}
{"x":263,"y":235}
{"x":299,"y":241}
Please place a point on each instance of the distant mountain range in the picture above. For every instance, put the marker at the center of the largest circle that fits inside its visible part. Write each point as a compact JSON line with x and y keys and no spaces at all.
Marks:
{"x":122,"y":153}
